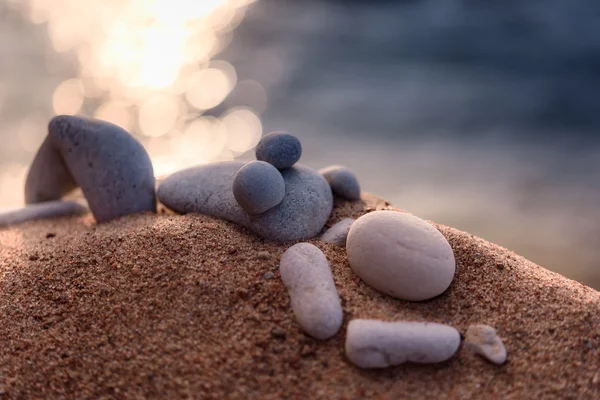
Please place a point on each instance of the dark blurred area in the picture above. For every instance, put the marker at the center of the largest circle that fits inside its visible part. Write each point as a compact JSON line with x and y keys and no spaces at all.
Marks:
{"x":477,"y":114}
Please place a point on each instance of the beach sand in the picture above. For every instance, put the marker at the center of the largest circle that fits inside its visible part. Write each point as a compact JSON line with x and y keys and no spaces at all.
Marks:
{"x":165,"y":306}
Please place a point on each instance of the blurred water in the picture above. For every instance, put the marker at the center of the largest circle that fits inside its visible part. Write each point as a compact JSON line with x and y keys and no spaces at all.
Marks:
{"x":477,"y":115}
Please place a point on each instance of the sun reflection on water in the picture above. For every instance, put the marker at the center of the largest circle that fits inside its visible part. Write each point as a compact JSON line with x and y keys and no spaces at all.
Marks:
{"x":149,"y":66}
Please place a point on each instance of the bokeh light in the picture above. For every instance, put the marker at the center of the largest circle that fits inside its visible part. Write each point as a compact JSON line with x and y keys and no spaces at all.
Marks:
{"x":150,"y":67}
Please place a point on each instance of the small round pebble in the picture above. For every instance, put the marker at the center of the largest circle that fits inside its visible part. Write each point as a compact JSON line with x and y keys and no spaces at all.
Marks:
{"x":483,"y":340}
{"x":305,"y":272}
{"x":400,"y":255}
{"x":279,"y":149}
{"x":381,"y":344}
{"x":338,"y":233}
{"x":258,"y":186}
{"x":342,"y":181}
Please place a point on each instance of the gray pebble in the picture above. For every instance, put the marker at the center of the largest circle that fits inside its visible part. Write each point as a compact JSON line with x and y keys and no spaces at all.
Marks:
{"x":111,"y":167}
{"x":280,"y":149}
{"x":48,"y":209}
{"x":379,"y":344}
{"x":343,"y":182}
{"x":338,"y":233}
{"x":207,"y":189}
{"x":305,"y":272}
{"x":258,"y":186}
{"x":267,"y":275}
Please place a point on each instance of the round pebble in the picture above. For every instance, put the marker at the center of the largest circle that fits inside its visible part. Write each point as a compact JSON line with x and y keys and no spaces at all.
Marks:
{"x":342,"y":181}
{"x":258,"y":186}
{"x":111,"y":167}
{"x":400,"y":255}
{"x":338,"y":233}
{"x":314,"y":298}
{"x":381,"y":344}
{"x":280,"y":149}
{"x":483,"y":340}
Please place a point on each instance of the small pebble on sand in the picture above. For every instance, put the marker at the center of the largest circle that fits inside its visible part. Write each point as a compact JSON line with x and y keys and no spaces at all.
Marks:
{"x":258,"y":186}
{"x":381,"y":344}
{"x":483,"y":340}
{"x":280,"y":149}
{"x":47,"y":209}
{"x":338,"y":233}
{"x":342,"y":181}
{"x":400,"y":255}
{"x":314,"y":298}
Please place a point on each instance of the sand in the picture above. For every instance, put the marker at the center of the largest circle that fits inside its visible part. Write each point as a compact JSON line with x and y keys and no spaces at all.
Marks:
{"x":181,"y":307}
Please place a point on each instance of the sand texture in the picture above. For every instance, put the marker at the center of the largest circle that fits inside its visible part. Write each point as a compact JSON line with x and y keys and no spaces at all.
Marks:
{"x":164,"y":306}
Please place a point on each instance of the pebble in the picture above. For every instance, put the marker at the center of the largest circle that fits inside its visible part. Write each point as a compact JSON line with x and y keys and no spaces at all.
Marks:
{"x":268,"y":275}
{"x":111,"y":167}
{"x":280,"y":149}
{"x":338,"y":233}
{"x":258,"y":186}
{"x":207,"y":189}
{"x":263,"y":255}
{"x":400,"y":255}
{"x":482,"y":339}
{"x":305,"y":272}
{"x":48,"y":209}
{"x":380,"y":344}
{"x":342,"y":181}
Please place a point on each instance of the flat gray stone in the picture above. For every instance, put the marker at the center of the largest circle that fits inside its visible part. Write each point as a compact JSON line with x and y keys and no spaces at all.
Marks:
{"x":343,"y":181}
{"x":111,"y":167}
{"x":280,"y":149}
{"x":49,"y":209}
{"x":207,"y":189}
{"x":338,"y":233}
{"x":258,"y":186}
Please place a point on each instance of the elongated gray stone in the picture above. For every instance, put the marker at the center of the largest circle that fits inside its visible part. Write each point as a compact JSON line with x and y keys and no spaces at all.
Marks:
{"x":111,"y":167}
{"x":48,"y":209}
{"x":207,"y":189}
{"x":379,"y":344}
{"x":305,"y":272}
{"x":338,"y":233}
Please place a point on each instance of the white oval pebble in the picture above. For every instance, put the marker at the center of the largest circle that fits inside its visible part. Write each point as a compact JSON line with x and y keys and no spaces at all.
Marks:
{"x":400,"y":255}
{"x":482,"y":339}
{"x":338,"y":233}
{"x":380,"y":344}
{"x":315,"y":301}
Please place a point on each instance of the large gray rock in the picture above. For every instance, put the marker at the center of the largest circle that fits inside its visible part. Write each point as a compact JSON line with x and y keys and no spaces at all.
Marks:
{"x":207,"y":189}
{"x":48,"y":209}
{"x":111,"y":167}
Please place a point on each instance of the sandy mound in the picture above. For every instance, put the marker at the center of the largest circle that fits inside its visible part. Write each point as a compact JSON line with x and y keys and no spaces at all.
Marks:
{"x":180,"y":306}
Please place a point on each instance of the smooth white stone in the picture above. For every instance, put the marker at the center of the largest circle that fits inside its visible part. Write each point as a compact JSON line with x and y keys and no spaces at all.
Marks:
{"x":314,"y":298}
{"x":380,"y":344}
{"x":483,"y":340}
{"x":400,"y":255}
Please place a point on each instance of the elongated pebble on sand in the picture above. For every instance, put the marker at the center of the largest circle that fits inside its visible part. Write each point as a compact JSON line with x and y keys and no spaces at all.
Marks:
{"x":111,"y":167}
{"x":400,"y":255}
{"x":483,"y":340}
{"x":314,"y":298}
{"x":380,"y":344}
{"x":280,"y":149}
{"x":342,"y":181}
{"x":48,"y":209}
{"x":338,"y":233}
{"x":258,"y":186}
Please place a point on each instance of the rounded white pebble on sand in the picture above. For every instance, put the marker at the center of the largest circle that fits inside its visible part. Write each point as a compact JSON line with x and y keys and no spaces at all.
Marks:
{"x":483,"y":340}
{"x":400,"y":255}
{"x":380,"y":344}
{"x":314,"y":298}
{"x":338,"y":233}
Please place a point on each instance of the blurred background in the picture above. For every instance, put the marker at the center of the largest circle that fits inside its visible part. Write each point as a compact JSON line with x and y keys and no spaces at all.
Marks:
{"x":476,"y":114}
